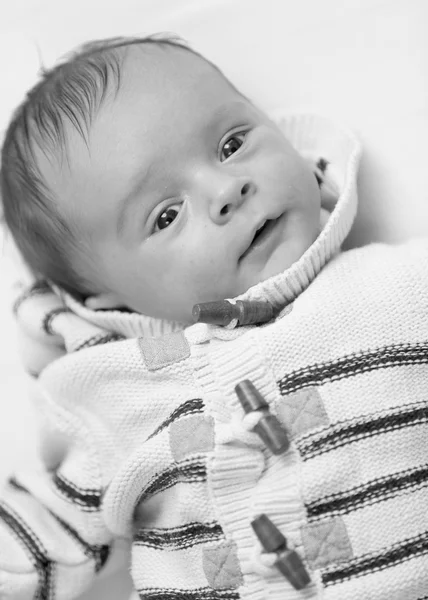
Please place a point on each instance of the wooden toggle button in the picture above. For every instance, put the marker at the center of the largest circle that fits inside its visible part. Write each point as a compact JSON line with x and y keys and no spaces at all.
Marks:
{"x":288,"y":562}
{"x":269,"y":429}
{"x":222,"y":312}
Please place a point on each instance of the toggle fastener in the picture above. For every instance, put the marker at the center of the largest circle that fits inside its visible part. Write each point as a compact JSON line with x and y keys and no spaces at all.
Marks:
{"x":288,"y":562}
{"x":223,"y":312}
{"x":268,"y":428}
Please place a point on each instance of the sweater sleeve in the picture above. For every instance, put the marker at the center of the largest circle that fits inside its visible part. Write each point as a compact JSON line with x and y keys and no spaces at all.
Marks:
{"x":53,"y":541}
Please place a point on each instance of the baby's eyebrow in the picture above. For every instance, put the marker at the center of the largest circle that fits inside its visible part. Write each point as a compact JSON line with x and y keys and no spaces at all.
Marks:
{"x":225,"y":109}
{"x":230,"y":109}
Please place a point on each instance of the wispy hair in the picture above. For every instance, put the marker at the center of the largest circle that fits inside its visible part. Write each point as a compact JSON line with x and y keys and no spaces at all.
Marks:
{"x":71,"y":93}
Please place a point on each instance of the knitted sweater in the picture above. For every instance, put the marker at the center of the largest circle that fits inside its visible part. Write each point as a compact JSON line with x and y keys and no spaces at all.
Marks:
{"x":143,"y":437}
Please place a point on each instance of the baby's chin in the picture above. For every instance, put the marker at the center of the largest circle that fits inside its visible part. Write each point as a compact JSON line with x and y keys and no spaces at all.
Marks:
{"x":288,"y":253}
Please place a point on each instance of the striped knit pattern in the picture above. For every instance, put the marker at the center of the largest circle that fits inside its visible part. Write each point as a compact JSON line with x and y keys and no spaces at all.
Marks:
{"x":136,"y":444}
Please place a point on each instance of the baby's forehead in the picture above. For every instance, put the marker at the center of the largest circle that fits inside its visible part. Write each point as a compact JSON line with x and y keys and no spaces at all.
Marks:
{"x":149,"y":69}
{"x":158,"y":88}
{"x":159,"y":66}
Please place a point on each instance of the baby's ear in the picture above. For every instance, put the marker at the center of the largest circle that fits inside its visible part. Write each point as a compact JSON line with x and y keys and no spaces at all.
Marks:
{"x":103,"y":301}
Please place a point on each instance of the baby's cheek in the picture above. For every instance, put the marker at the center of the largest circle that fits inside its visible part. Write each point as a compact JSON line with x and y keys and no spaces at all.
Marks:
{"x":209,"y":278}
{"x":277,"y":169}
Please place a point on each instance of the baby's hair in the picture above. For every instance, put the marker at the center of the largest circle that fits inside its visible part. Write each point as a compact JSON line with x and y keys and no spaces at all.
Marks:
{"x":69,"y":93}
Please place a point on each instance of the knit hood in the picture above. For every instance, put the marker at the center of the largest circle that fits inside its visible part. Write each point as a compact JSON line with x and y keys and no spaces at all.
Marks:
{"x":332,"y":152}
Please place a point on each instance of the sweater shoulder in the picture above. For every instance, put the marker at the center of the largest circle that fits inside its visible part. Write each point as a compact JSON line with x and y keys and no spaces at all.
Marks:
{"x":390,"y":266}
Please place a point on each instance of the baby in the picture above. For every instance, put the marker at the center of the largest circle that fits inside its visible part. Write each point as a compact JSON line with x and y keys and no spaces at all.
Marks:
{"x":153,"y":176}
{"x":282,"y":456}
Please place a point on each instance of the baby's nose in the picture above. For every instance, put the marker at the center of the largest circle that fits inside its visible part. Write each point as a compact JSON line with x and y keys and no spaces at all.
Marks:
{"x":228,"y":197}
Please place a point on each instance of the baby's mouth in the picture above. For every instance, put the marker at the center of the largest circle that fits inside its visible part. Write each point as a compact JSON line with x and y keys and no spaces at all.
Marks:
{"x":259,"y":237}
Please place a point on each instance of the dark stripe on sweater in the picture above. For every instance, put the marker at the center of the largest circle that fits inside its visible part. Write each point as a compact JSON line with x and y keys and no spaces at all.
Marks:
{"x":190,"y":407}
{"x":377,"y":490}
{"x":176,"y":538}
{"x":205,"y":593}
{"x":98,"y":340}
{"x":13,"y":482}
{"x":34,"y":548}
{"x":87,"y":498}
{"x":38,"y":289}
{"x":358,"y":567}
{"x":99,"y":554}
{"x":347,"y":432}
{"x":50,"y":316}
{"x":354,"y":364}
{"x":187,"y":471}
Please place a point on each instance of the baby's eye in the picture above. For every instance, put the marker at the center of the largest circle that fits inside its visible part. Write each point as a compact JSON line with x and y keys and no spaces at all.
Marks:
{"x":167,"y":217}
{"x":232,"y":145}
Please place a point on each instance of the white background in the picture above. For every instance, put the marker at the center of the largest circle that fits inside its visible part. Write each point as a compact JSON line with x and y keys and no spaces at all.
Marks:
{"x":364,"y":63}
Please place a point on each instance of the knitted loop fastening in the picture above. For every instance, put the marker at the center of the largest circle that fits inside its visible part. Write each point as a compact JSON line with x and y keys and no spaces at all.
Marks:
{"x":263,"y":563}
{"x":240,"y":429}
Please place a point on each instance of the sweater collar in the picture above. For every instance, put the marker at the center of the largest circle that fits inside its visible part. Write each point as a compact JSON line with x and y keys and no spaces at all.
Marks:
{"x":334,"y":154}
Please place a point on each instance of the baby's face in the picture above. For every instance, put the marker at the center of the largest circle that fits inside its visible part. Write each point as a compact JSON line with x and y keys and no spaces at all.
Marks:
{"x":178,"y":174}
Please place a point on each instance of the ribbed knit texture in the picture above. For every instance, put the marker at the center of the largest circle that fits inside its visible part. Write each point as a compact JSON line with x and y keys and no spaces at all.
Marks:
{"x":143,"y":436}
